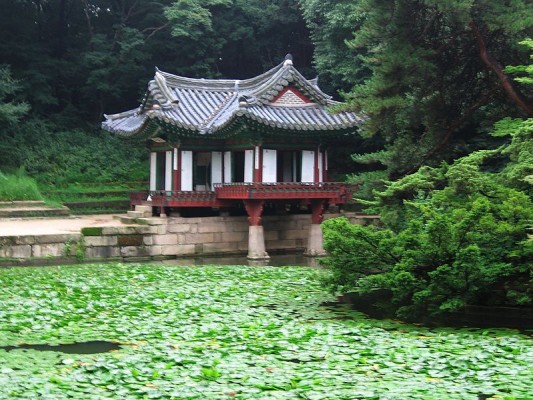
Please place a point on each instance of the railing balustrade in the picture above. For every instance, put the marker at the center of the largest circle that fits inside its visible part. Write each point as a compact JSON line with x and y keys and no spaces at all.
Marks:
{"x":246,"y":190}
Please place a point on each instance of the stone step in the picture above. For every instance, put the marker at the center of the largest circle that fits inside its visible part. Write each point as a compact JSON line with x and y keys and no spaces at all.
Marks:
{"x":21,"y":204}
{"x":147,"y":210}
{"x":135,"y":214}
{"x":126,"y":220}
{"x":110,"y":204}
{"x":115,"y":193}
{"x":28,"y":212}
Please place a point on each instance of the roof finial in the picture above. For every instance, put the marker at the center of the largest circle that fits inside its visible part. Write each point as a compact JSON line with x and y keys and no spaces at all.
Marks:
{"x":288,"y":60}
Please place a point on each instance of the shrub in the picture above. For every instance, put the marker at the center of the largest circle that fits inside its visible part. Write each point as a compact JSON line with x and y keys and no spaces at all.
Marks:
{"x":56,"y":156}
{"x":452,"y":236}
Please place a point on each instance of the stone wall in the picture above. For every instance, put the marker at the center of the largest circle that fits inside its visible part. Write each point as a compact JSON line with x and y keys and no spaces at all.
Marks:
{"x":41,"y":246}
{"x":161,"y":238}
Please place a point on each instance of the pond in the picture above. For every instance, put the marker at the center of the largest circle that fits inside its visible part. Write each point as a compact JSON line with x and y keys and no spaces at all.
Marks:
{"x":92,"y":347}
{"x":276,"y":260}
{"x":218,"y":332}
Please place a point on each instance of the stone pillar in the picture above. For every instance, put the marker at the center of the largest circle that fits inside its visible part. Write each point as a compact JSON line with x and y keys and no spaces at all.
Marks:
{"x":315,"y":241}
{"x":256,"y":235}
{"x":256,"y":243}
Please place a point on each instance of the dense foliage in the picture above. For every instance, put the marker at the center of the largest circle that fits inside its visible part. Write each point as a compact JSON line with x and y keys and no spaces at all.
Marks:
{"x":457,"y":238}
{"x":234,"y":332}
{"x":451,"y":235}
{"x":428,"y":73}
{"x":65,"y":63}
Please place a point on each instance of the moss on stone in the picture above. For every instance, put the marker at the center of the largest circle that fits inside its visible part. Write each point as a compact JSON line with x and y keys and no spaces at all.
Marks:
{"x":92,"y":231}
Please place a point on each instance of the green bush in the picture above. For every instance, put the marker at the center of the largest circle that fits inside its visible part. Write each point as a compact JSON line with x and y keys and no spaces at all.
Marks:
{"x":18,"y":187}
{"x":451,"y":236}
{"x":59,"y":157}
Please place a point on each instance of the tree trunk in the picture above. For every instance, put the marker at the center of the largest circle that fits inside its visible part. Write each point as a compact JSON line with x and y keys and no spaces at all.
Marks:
{"x":507,"y":83}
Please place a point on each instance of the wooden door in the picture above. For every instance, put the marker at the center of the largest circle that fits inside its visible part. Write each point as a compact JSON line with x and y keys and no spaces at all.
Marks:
{"x":308,"y":166}
{"x":168,"y":170}
{"x":269,"y":166}
{"x":227,"y":167}
{"x":216,"y":168}
{"x":153,"y":170}
{"x":320,"y":166}
{"x":248,"y":166}
{"x":186,"y":170}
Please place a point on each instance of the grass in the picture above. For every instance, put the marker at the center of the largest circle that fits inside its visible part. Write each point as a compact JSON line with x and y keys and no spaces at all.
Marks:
{"x":15,"y":187}
{"x":92,"y":199}
{"x":239,"y":332}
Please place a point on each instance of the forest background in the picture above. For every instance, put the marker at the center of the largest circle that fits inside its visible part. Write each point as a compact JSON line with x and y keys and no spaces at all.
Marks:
{"x":428,"y":73}
{"x":433,"y":77}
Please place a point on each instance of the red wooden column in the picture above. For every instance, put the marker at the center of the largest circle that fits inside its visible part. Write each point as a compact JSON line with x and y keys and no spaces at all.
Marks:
{"x":317,"y":211}
{"x":256,"y":235}
{"x":258,"y":164}
{"x":176,"y":173}
{"x":317,"y":173}
{"x":325,"y":166}
{"x":315,"y":242}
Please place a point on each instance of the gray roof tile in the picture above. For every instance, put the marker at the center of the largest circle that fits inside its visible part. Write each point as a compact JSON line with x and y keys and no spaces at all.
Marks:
{"x":206,"y":106}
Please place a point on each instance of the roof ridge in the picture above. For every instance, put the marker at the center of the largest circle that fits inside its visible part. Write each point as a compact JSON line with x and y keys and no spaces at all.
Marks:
{"x":220,"y":84}
{"x":283,"y":78}
{"x":204,"y":127}
{"x":161,"y":82}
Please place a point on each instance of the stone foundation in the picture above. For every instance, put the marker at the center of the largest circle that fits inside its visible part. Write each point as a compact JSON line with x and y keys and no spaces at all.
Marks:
{"x":163,"y":238}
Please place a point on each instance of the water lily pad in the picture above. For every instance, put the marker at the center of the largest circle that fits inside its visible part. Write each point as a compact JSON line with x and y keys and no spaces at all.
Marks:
{"x":234,"y":331}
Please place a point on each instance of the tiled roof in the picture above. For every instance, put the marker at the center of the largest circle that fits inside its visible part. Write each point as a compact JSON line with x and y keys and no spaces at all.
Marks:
{"x":205,"y":106}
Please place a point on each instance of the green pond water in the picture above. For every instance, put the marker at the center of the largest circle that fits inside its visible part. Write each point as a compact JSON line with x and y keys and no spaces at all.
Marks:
{"x":222,"y":332}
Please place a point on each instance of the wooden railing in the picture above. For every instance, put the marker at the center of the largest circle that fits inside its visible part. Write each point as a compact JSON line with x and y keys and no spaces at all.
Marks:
{"x":281,"y":190}
{"x":183,"y":198}
{"x":137,"y":198}
{"x":337,"y":192}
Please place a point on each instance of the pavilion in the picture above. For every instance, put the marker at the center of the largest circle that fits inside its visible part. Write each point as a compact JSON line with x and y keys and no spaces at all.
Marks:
{"x":223,"y":143}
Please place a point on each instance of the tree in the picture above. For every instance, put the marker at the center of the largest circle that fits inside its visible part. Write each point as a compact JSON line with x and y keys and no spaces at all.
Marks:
{"x":451,"y":235}
{"x":332,"y":24}
{"x":436,"y":81}
{"x":238,"y":38}
{"x":11,"y":110}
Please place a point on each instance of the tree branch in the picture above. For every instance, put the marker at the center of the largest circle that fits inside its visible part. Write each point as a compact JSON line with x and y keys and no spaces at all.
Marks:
{"x":88,"y":18}
{"x":154,"y":30}
{"x":453,"y":128}
{"x":507,"y":83}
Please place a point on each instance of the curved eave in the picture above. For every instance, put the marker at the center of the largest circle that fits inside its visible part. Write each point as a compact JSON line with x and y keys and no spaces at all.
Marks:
{"x":305,"y":118}
{"x":127,"y":124}
{"x":308,"y":120}
{"x":243,"y":124}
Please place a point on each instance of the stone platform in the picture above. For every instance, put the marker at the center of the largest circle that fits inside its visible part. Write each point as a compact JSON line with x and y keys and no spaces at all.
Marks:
{"x":105,"y":238}
{"x":29,"y":209}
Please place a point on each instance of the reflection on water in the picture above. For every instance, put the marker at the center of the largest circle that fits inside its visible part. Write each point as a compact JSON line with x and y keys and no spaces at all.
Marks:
{"x":276,"y":260}
{"x":93,"y":347}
